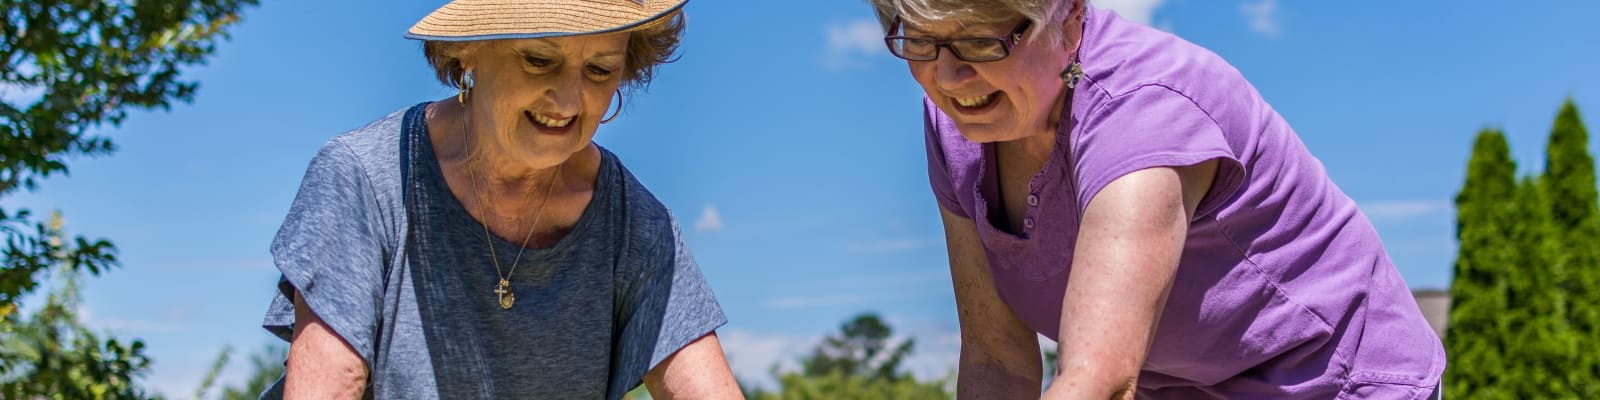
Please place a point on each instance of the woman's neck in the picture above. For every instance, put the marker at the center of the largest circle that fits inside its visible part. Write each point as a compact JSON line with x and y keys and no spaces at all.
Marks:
{"x":497,"y":182}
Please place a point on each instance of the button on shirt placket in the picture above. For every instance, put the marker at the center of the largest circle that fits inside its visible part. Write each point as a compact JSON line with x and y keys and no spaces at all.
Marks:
{"x":1033,"y":202}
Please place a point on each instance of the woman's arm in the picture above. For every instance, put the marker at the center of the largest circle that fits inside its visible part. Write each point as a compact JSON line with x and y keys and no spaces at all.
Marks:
{"x":999,"y":354}
{"x":697,"y":371}
{"x":1127,"y":253}
{"x":321,"y":365}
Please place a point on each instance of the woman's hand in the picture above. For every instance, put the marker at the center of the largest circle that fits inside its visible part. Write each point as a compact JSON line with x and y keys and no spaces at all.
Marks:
{"x":1123,"y":266}
{"x":321,"y":365}
{"x":999,"y":353}
{"x":697,"y":371}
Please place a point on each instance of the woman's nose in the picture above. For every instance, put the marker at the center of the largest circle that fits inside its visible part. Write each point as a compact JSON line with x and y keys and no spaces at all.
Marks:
{"x":950,"y":71}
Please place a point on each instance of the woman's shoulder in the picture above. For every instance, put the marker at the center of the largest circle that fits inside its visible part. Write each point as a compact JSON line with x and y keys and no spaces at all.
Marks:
{"x":367,"y":159}
{"x":372,"y":152}
{"x":376,"y":141}
{"x":1120,"y":57}
{"x":641,"y":209}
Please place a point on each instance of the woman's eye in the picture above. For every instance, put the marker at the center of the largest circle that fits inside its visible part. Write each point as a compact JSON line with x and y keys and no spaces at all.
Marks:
{"x":537,"y":62}
{"x":597,"y":70}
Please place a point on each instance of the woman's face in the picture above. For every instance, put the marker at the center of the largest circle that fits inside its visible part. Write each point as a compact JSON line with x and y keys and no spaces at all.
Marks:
{"x":540,"y":100}
{"x":1001,"y":100}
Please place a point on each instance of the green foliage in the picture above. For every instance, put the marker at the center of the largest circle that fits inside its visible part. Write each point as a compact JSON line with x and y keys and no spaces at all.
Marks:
{"x":839,"y":386}
{"x":51,"y":354}
{"x":1522,"y":321}
{"x":1541,"y":345}
{"x":1570,"y":175}
{"x":856,"y":363}
{"x":860,"y":349}
{"x":67,"y":67}
{"x":1570,"y":188}
{"x":1480,"y":293}
{"x":266,"y":366}
{"x":90,"y":62}
{"x":638,"y":393}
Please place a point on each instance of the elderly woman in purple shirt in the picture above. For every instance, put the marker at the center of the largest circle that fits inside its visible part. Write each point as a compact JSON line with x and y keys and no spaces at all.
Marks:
{"x":1131,"y":196}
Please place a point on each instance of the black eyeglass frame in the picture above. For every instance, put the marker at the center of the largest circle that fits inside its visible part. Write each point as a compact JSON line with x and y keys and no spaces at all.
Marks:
{"x":1007,"y":42}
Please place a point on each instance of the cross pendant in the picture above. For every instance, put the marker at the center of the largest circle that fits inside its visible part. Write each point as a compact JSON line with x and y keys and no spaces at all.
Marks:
{"x":503,"y":290}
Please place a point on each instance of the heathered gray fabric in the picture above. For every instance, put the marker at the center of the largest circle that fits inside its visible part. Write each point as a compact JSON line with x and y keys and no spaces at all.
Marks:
{"x":392,"y":263}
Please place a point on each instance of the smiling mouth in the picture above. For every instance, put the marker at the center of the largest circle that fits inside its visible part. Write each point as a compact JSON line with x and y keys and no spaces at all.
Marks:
{"x":541,"y":120}
{"x":974,"y":102}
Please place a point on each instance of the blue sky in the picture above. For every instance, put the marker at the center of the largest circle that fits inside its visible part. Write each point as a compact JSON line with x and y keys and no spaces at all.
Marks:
{"x":789,"y":146}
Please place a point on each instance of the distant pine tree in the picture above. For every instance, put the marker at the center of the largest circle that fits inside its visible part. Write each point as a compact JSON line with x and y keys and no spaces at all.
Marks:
{"x":1480,"y":293}
{"x":1542,"y":346}
{"x":1570,"y":190}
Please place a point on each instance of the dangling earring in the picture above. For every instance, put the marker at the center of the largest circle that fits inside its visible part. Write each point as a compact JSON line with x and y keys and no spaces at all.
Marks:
{"x":619,"y":108}
{"x":464,"y":87}
{"x":1072,"y":74}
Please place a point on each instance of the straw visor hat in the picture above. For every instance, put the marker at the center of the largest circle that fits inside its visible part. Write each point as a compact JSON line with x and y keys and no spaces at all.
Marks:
{"x":465,"y":20}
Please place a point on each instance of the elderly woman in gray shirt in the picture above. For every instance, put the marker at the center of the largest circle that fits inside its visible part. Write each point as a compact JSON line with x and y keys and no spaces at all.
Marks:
{"x":482,"y":246}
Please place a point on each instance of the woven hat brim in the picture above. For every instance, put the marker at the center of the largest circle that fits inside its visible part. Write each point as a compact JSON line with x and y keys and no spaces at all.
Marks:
{"x":469,"y":20}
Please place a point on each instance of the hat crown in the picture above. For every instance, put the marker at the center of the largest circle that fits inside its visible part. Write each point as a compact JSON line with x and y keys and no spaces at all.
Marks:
{"x":464,"y":20}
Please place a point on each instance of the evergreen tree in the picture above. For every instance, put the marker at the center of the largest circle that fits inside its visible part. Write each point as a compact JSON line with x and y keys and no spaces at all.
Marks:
{"x":1542,"y":346}
{"x":1480,"y":293}
{"x":1570,"y":189}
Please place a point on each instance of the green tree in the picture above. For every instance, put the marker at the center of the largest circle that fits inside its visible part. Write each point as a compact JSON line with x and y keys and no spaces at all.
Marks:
{"x":68,"y":67}
{"x":856,"y":363}
{"x":860,"y":349}
{"x":1542,"y":345}
{"x":90,"y":62}
{"x":1570,"y":189}
{"x":838,"y":386}
{"x":1480,"y":291}
{"x":50,"y":354}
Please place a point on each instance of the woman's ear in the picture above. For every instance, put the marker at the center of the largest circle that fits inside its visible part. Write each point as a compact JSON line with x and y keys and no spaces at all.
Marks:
{"x":467,"y":54}
{"x":1072,"y":25}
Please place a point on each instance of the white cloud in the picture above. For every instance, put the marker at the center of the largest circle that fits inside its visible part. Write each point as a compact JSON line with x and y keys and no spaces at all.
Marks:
{"x":849,"y":41}
{"x":1136,"y":10}
{"x":1263,"y":17}
{"x":794,"y":302}
{"x":896,"y":245}
{"x":1166,"y":25}
{"x":1403,"y":209}
{"x":709,"y":221}
{"x":175,"y":320}
{"x":752,"y":355}
{"x":935,"y":355}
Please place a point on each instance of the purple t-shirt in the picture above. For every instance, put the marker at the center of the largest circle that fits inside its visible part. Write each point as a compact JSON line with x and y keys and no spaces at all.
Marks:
{"x":1283,"y":289}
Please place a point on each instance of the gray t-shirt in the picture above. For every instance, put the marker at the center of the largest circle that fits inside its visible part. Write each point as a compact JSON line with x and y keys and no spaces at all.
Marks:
{"x":381,"y":250}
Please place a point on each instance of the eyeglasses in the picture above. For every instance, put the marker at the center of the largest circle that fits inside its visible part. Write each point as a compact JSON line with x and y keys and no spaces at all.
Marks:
{"x":971,"y":49}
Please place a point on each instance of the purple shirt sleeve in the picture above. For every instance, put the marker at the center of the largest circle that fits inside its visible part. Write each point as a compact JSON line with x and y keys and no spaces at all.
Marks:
{"x":938,"y":170}
{"x":1149,"y":127}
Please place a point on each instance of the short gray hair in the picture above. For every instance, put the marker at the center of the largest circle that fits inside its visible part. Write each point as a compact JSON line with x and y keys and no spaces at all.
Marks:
{"x":1045,"y":14}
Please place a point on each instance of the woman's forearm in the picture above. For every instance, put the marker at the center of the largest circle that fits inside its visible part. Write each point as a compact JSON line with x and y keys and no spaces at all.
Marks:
{"x":1086,"y":384}
{"x":1131,"y":239}
{"x":992,"y":380}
